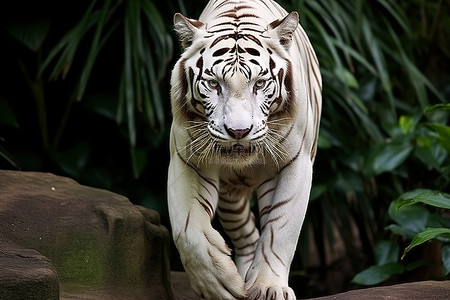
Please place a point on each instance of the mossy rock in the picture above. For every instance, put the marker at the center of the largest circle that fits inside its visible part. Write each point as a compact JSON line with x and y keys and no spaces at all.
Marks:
{"x":97,"y":243}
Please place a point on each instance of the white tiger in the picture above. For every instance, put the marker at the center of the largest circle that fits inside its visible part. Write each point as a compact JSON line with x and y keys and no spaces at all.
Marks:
{"x":246,"y":104}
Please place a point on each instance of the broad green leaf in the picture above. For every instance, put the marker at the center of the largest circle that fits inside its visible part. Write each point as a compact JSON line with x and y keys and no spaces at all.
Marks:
{"x":386,"y":251}
{"x":426,"y":235}
{"x":429,"y":197}
{"x":412,"y":217}
{"x":377,"y":274}
{"x":386,"y":157}
{"x":432,"y":156}
{"x":446,"y":259}
{"x":401,"y":230}
{"x":31,"y":33}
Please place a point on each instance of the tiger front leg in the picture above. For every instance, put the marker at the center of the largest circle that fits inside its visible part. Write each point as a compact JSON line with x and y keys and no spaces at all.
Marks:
{"x":282,"y":204}
{"x":206,"y":257}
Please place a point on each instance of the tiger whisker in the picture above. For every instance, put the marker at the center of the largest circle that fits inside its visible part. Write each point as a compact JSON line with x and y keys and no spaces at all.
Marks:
{"x":196,"y":144}
{"x":193,"y":142}
{"x":278,"y":121}
{"x":200,"y":145}
{"x":197,"y":125}
{"x":206,"y":153}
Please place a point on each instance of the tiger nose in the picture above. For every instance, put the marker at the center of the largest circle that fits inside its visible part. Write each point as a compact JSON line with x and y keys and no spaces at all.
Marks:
{"x":238,"y":133}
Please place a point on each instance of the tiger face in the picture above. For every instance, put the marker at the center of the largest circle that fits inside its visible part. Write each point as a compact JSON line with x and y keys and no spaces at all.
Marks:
{"x":233,"y":91}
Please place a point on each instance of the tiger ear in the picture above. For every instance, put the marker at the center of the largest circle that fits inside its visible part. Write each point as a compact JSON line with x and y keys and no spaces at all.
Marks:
{"x":186,"y":29}
{"x":284,"y":28}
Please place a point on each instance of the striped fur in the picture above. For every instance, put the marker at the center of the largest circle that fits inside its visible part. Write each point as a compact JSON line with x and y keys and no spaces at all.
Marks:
{"x":246,"y":103}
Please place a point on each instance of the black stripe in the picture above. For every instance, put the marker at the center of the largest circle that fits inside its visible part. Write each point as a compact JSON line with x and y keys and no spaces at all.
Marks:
{"x":271,"y":247}
{"x":210,"y":181}
{"x":269,"y":208}
{"x":267,"y":260}
{"x":187,"y":221}
{"x":220,"y":52}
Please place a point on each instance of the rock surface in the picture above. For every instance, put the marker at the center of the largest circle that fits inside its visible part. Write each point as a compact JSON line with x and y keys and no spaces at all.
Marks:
{"x":59,"y":239}
{"x":26,"y":274}
{"x":62,"y":240}
{"x":424,"y":290}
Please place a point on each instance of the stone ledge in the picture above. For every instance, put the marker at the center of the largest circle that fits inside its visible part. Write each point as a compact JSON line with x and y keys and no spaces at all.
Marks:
{"x":69,"y":241}
{"x":36,"y":274}
{"x":423,"y":290}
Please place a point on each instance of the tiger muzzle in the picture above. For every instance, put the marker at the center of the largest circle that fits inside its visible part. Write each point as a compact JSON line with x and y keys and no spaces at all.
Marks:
{"x":238,"y":133}
{"x":237,"y":149}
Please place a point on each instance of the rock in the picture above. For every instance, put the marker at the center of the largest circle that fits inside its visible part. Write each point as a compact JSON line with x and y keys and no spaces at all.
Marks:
{"x":94,"y":243}
{"x":423,"y":290}
{"x":35,"y":273}
{"x":182,"y":287}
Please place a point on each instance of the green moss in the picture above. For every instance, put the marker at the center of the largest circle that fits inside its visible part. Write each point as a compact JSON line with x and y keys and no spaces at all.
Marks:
{"x":82,"y":260}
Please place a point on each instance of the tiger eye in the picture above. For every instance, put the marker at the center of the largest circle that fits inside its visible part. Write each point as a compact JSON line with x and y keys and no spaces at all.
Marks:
{"x":260,"y":83}
{"x":213,"y":83}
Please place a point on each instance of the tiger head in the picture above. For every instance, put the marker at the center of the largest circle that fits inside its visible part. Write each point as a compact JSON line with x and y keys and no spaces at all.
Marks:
{"x":231,"y":89}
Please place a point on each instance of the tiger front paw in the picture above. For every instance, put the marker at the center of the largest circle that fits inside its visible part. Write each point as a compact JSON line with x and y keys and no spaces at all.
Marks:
{"x":211,"y":271}
{"x":274,"y":292}
{"x":265,"y":286}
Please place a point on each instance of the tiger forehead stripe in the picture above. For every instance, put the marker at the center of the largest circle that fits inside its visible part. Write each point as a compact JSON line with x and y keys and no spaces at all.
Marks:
{"x":237,"y":17}
{"x":252,"y":51}
{"x":236,"y":36}
{"x":239,"y":7}
{"x":220,"y":52}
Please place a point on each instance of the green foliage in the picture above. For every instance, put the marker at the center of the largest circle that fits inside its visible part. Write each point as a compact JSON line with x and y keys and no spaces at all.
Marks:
{"x":147,"y":51}
{"x":433,"y":198}
{"x":384,"y":124}
{"x":376,"y":274}
{"x":412,"y":220}
{"x":417,"y":223}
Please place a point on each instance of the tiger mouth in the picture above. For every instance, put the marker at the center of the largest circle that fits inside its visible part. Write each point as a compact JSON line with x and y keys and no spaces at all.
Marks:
{"x":237,"y":149}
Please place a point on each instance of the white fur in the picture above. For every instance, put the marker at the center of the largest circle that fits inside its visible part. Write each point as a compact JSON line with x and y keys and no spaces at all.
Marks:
{"x":204,"y":181}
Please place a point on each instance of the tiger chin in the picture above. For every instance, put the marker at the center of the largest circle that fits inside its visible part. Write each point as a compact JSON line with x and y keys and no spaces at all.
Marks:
{"x":246,"y":105}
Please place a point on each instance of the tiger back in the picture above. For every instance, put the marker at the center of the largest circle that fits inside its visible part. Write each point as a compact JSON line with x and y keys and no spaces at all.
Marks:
{"x":246,"y":103}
